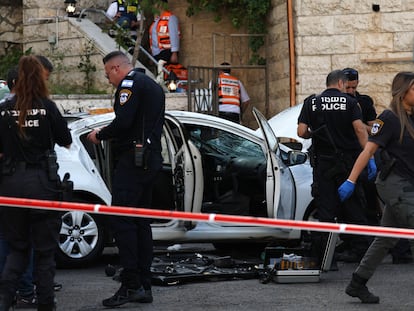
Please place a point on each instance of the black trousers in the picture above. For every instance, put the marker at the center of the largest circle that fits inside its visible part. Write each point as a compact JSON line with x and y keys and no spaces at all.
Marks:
{"x":231,"y":116}
{"x":331,"y":209}
{"x":27,"y":229}
{"x":133,"y":236}
{"x":164,"y":55}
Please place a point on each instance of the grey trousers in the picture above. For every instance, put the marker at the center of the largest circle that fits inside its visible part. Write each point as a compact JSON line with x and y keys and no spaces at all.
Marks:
{"x":398,"y":195}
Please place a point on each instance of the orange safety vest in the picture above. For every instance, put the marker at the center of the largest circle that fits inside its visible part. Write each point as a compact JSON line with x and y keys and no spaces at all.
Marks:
{"x":228,"y":90}
{"x":163,"y":33}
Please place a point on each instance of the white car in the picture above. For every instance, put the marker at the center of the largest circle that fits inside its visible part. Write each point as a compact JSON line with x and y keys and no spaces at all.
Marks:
{"x":211,"y":165}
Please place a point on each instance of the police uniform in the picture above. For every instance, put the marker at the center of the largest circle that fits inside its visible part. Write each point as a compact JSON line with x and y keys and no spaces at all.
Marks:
{"x":370,"y":192}
{"x":396,"y":190}
{"x":367,"y":107}
{"x":139,"y":116}
{"x":335,"y":147}
{"x":25,"y":174}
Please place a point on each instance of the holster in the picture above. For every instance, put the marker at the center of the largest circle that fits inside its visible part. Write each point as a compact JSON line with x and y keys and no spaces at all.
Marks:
{"x":141,"y":154}
{"x":66,"y":186}
{"x":51,"y":165}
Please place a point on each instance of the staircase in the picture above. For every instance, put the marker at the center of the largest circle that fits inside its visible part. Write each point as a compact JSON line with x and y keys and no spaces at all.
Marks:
{"x":106,"y":44}
{"x":103,"y":42}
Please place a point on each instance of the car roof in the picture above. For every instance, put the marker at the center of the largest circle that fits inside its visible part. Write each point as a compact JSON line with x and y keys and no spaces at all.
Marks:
{"x":83,"y":120}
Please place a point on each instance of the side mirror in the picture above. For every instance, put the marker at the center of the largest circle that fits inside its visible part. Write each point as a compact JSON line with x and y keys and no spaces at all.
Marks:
{"x":296,"y":157}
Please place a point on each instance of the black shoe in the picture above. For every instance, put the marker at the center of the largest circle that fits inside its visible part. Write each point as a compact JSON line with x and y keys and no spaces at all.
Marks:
{"x":144,"y":295}
{"x":26,"y":301}
{"x":357,"y":288}
{"x":125,"y":295}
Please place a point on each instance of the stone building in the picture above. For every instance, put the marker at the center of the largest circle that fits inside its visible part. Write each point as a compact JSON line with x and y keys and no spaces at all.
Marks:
{"x":306,"y":40}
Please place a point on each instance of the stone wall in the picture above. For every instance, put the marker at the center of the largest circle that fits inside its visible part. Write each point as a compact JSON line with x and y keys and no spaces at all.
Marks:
{"x":72,"y":104}
{"x":333,"y":34}
{"x":10,"y":26}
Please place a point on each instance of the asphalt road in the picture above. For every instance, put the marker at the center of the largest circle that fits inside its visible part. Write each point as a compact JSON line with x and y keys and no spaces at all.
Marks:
{"x":83,"y":290}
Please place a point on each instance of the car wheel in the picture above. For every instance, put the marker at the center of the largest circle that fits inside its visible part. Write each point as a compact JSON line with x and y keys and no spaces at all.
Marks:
{"x":81,"y":239}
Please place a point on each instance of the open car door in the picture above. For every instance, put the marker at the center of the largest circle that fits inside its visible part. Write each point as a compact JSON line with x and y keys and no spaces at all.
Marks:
{"x":280,"y":194}
{"x":186,"y":166}
{"x":272,"y":167}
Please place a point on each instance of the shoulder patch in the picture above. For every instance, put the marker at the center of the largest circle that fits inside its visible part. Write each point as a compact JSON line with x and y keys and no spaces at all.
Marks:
{"x":127,"y":83}
{"x":124,"y":96}
{"x":376,"y":127}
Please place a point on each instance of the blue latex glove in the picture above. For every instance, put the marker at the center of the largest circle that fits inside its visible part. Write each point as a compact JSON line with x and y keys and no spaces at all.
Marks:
{"x":346,"y":190}
{"x":372,"y":169}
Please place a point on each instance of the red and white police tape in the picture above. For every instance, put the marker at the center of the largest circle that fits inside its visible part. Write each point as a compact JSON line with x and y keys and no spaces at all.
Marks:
{"x":220,"y":218}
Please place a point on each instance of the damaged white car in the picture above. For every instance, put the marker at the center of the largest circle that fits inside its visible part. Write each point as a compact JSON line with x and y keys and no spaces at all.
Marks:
{"x":211,"y":165}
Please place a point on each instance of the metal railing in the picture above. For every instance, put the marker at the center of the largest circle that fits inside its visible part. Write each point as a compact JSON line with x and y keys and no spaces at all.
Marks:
{"x":202,"y":87}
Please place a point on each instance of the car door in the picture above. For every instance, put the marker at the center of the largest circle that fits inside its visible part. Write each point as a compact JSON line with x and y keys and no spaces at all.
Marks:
{"x":280,"y":188}
{"x":186,"y":166}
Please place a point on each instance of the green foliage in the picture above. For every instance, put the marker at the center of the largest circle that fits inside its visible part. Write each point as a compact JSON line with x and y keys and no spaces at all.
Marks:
{"x":11,"y":59}
{"x":249,"y":13}
{"x":86,"y":66}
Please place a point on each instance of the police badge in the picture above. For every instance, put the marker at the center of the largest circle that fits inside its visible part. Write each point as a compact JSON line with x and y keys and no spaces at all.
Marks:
{"x":124,"y":96}
{"x":376,"y":127}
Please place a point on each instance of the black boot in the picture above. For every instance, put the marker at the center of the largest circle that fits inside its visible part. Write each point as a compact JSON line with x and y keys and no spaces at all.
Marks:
{"x":48,"y":307}
{"x":358,"y":288}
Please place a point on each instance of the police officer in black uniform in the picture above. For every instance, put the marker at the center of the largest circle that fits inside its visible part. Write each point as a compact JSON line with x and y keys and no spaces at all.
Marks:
{"x":333,"y":120}
{"x":30,"y":125}
{"x":136,"y":131}
{"x":393,"y":131}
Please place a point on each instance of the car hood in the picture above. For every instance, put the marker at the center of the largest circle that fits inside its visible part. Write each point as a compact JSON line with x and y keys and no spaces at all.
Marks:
{"x":285,"y":123}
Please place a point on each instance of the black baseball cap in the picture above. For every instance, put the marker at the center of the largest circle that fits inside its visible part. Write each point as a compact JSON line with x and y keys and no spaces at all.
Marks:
{"x":350,"y":73}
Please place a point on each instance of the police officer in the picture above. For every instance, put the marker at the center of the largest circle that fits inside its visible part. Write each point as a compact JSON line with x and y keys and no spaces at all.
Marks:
{"x":333,"y":120}
{"x":233,"y":98}
{"x":394,"y":132}
{"x":136,"y":131}
{"x":372,"y":207}
{"x":365,"y":101}
{"x":401,"y":253}
{"x":30,"y":125}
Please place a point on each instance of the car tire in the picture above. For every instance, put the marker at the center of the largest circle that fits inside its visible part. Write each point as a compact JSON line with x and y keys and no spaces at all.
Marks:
{"x":81,"y":239}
